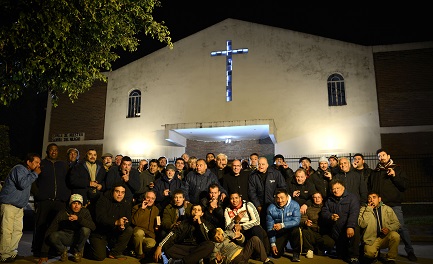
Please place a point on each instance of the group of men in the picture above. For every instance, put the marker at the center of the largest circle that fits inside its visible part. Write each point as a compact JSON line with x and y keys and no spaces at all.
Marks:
{"x":99,"y":208}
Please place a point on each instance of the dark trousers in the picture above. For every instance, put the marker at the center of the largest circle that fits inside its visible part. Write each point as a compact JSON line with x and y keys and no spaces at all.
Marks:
{"x":253,"y":245}
{"x":46,"y":211}
{"x":61,"y":240}
{"x":346,"y":247}
{"x":189,"y":253}
{"x":311,"y":240}
{"x":285,"y":235}
{"x":116,"y":241}
{"x":260,"y":233}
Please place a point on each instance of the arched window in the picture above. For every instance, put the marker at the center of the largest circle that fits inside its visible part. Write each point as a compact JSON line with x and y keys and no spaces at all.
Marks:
{"x":336,"y":91}
{"x":134,"y":104}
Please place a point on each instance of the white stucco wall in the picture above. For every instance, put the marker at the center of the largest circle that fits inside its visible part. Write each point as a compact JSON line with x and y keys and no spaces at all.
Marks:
{"x":283,"y":77}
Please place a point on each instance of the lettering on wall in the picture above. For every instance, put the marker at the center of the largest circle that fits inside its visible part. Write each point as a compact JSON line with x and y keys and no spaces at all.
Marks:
{"x":68,"y":137}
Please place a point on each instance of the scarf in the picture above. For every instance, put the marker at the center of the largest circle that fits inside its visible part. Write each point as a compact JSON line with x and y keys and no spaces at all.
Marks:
{"x":236,"y":208}
{"x":384,"y":167}
{"x":92,"y":170}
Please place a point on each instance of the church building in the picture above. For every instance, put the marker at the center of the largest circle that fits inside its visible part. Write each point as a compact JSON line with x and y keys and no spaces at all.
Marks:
{"x":238,"y":87}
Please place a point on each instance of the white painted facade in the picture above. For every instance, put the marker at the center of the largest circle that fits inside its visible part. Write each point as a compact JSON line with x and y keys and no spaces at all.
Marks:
{"x":283,"y":77}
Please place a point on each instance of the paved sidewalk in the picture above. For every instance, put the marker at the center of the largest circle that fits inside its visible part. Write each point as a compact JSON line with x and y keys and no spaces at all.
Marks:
{"x":424,"y":252}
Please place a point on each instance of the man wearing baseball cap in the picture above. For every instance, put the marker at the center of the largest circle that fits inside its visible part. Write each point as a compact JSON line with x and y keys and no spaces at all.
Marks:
{"x":305,"y":163}
{"x":70,"y":228}
{"x":333,"y":164}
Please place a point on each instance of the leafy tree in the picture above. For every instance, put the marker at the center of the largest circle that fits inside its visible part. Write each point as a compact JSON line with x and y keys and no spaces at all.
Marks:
{"x":63,"y":46}
{"x":6,"y":160}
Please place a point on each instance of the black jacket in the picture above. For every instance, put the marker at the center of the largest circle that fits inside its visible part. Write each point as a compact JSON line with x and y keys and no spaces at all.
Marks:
{"x":391,"y":189}
{"x":52,"y":182}
{"x":187,"y":233}
{"x":80,"y":181}
{"x":108,"y":211}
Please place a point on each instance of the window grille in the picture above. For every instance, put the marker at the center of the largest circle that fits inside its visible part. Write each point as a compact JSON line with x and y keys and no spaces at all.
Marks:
{"x":134,"y":104}
{"x":336,"y":90}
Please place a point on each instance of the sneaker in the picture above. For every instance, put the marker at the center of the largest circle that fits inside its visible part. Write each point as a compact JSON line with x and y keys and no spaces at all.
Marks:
{"x":354,"y":261}
{"x":131,"y":253}
{"x":64,"y":256}
{"x":295,"y":257}
{"x":309,"y":254}
{"x":6,"y":260}
{"x":118,"y":257}
{"x":268,"y":262}
{"x":175,"y":261}
{"x":77,"y":257}
{"x":411,"y":256}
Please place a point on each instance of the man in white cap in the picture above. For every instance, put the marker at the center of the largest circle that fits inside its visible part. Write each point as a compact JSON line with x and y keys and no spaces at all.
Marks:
{"x":322,"y":177}
{"x":70,"y":228}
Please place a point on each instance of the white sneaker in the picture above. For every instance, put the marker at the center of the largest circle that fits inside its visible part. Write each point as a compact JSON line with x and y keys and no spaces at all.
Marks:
{"x":310,"y":254}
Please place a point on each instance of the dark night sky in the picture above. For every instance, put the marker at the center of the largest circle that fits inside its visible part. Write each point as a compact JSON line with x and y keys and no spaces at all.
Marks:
{"x":365,"y":25}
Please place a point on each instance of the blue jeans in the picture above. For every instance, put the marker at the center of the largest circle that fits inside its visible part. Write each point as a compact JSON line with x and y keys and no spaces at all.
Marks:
{"x":61,"y":240}
{"x":403,"y":231}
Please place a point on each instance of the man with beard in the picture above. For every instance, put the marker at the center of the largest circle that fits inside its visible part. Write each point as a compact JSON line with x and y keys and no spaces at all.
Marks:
{"x":87,"y":178}
{"x":107,"y":161}
{"x":189,"y":242}
{"x":389,"y":180}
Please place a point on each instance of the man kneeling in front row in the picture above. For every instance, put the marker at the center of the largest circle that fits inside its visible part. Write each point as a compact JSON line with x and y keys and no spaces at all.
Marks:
{"x":381,"y":226}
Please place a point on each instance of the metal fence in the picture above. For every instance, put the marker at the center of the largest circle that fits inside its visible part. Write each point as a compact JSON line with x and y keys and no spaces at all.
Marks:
{"x":419,"y":169}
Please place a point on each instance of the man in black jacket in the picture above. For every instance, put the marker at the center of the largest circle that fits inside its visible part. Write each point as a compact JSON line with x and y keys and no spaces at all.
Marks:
{"x":125,"y":174}
{"x":237,"y":180}
{"x":87,"y":178}
{"x":389,"y":180}
{"x":262,"y":184}
{"x":51,"y":194}
{"x":189,"y":242}
{"x":113,"y":214}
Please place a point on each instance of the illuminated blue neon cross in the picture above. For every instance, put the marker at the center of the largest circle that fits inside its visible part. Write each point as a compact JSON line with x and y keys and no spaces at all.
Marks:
{"x":229,"y":65}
